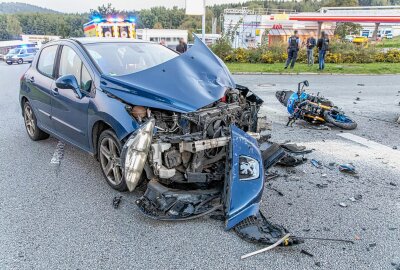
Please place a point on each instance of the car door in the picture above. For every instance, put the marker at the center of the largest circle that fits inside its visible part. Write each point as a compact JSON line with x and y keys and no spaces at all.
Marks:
{"x":40,"y":80}
{"x":69,"y":111}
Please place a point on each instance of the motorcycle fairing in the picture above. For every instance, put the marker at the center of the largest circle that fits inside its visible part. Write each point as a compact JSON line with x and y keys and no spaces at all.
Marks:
{"x":291,"y":103}
{"x":244,"y":181}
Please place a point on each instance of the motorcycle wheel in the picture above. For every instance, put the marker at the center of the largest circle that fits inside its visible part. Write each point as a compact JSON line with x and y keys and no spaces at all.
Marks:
{"x":340,"y":120}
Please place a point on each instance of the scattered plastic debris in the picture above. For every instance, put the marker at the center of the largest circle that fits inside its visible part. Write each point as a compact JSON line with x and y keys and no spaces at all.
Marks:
{"x":116,"y":201}
{"x":316,"y":163}
{"x":322,"y":185}
{"x":360,"y":84}
{"x":358,"y":99}
{"x":393,"y":184}
{"x":324,"y":175}
{"x":306,"y":253}
{"x":342,"y":205}
{"x":347,"y":168}
{"x":290,"y":161}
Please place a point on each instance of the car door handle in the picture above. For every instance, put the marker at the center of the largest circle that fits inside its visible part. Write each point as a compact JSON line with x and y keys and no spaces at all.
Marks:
{"x":32,"y":79}
{"x":55,"y":91}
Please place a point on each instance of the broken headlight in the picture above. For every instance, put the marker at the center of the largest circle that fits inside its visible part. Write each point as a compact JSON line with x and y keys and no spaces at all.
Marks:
{"x":249,"y":168}
{"x":134,"y":153}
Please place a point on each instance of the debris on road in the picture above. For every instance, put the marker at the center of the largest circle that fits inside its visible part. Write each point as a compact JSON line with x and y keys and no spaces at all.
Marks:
{"x":358,"y":99}
{"x":360,"y":84}
{"x":392,"y":184}
{"x":116,"y":201}
{"x":296,"y":149}
{"x":306,"y":253}
{"x":291,"y":161}
{"x":348,"y":168}
{"x":342,"y":205}
{"x":316,"y":163}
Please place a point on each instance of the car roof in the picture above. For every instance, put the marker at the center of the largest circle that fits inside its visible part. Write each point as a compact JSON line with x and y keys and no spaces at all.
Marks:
{"x":90,"y":40}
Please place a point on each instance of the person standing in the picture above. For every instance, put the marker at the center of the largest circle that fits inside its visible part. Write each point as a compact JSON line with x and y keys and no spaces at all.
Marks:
{"x":293,"y":48}
{"x":182,"y":46}
{"x":311,"y":43}
{"x":323,"y":47}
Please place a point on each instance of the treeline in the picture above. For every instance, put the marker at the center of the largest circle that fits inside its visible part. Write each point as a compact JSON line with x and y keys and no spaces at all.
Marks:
{"x":71,"y":25}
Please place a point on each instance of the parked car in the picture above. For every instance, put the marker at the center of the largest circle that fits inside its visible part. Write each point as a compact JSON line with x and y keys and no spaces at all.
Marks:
{"x":349,"y":38}
{"x":177,"y":123}
{"x":20,"y":55}
{"x":389,"y":36}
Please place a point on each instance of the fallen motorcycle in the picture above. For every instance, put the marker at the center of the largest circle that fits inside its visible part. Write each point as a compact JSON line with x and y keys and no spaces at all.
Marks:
{"x":313,"y":108}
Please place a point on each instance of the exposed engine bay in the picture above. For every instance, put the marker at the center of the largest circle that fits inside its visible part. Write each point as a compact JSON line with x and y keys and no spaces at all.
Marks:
{"x":191,"y":148}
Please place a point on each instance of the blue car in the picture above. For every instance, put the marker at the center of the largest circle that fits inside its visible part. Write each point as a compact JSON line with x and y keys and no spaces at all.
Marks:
{"x":177,"y":123}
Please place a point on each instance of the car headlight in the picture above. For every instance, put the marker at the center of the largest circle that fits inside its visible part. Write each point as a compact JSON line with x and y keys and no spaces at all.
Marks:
{"x":249,"y":168}
{"x":134,"y":153}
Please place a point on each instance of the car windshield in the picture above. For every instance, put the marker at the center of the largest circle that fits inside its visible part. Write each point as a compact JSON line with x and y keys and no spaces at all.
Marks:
{"x":14,"y":51}
{"x":121,"y":58}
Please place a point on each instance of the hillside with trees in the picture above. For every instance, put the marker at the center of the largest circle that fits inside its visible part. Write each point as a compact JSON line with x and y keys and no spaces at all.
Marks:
{"x":16,"y":7}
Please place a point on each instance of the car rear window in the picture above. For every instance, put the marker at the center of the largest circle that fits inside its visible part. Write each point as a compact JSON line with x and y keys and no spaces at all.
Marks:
{"x":121,"y":58}
{"x":46,"y":60}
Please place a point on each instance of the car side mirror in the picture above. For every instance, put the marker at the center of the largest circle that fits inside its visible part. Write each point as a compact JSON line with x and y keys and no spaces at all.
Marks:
{"x":69,"y":82}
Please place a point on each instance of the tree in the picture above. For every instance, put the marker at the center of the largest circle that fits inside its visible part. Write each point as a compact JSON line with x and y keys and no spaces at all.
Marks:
{"x":158,"y":25}
{"x":347,"y":28}
{"x":13,"y":26}
{"x":103,"y":11}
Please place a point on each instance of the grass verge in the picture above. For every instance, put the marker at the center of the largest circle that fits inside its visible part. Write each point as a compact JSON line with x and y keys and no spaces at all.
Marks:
{"x":389,"y":43}
{"x":372,"y":68}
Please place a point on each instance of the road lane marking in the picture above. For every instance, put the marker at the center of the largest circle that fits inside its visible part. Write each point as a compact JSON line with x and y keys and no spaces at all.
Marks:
{"x":365,"y":142}
{"x":58,"y":153}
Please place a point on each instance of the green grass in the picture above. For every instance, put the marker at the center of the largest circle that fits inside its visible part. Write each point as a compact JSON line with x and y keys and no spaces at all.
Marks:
{"x":373,"y":68}
{"x":389,"y":43}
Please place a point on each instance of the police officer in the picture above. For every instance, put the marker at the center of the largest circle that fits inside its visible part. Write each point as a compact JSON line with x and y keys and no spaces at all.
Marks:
{"x":293,"y":48}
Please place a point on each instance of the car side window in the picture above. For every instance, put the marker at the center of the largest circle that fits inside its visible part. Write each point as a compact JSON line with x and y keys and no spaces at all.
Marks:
{"x":46,"y":61}
{"x":86,"y":80}
{"x":71,"y":64}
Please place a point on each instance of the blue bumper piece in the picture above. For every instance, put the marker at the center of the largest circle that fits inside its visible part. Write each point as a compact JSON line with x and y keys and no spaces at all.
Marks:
{"x":245,"y":178}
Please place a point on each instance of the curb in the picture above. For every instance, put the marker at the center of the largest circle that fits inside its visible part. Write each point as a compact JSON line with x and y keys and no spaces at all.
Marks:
{"x":312,"y":73}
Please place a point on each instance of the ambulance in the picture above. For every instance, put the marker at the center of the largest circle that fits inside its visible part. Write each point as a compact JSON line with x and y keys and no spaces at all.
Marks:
{"x":110,"y":27}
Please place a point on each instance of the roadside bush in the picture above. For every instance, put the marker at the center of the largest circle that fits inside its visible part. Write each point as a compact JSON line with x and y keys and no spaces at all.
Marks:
{"x":339,"y":52}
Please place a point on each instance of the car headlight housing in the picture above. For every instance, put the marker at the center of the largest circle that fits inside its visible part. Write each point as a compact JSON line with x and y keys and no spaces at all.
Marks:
{"x":134,"y":153}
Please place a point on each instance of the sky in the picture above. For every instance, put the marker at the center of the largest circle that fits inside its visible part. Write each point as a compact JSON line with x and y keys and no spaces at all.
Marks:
{"x":86,"y":5}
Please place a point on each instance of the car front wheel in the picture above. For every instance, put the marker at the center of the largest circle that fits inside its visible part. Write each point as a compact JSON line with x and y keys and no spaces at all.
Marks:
{"x":109,"y":152}
{"x":34,"y":132}
{"x":20,"y":61}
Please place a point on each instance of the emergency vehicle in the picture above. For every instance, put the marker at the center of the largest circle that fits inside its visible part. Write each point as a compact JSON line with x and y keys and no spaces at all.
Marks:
{"x":110,"y":27}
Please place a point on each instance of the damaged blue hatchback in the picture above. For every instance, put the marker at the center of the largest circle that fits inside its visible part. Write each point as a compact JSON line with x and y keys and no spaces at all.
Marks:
{"x":177,"y":125}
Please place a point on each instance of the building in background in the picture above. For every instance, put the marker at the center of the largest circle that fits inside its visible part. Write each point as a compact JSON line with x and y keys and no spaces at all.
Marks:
{"x":170,"y":36}
{"x":38,"y":39}
{"x":253,"y":27}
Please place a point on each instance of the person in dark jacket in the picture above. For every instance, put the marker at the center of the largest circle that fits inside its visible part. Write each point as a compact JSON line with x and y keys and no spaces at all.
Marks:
{"x":311,"y":43}
{"x":323,"y":47}
{"x":293,"y":48}
{"x":182,"y":46}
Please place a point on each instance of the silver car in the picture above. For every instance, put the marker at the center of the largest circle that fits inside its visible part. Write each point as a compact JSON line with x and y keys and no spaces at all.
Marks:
{"x":20,"y":55}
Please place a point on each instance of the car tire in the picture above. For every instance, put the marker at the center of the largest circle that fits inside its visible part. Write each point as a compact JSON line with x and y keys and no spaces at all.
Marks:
{"x":34,"y":132}
{"x":9,"y":63}
{"x":109,"y":149}
{"x":20,"y":61}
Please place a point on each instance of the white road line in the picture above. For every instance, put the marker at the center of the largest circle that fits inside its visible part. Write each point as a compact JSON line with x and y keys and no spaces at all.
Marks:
{"x":366,"y":142}
{"x":58,"y":153}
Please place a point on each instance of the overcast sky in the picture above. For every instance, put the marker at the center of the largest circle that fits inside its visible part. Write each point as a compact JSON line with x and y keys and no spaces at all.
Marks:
{"x":86,"y":5}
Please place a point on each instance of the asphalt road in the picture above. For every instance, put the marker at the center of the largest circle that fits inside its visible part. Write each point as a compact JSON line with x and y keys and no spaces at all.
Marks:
{"x":61,"y":217}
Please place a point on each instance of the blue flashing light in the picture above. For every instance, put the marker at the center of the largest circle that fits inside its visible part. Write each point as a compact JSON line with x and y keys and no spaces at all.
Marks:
{"x":132,"y":20}
{"x":97,"y":20}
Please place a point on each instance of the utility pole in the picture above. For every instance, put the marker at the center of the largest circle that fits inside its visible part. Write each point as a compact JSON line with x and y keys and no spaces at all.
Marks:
{"x":203,"y":23}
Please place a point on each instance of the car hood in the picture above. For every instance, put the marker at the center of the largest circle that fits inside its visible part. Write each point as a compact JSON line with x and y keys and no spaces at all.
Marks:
{"x":185,"y":83}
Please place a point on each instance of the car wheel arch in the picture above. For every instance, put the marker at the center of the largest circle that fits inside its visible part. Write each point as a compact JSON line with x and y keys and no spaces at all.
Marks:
{"x":97,"y":128}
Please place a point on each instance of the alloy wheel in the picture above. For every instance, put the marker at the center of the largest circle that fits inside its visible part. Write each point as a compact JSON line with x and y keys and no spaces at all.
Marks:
{"x":110,"y":161}
{"x":29,"y":121}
